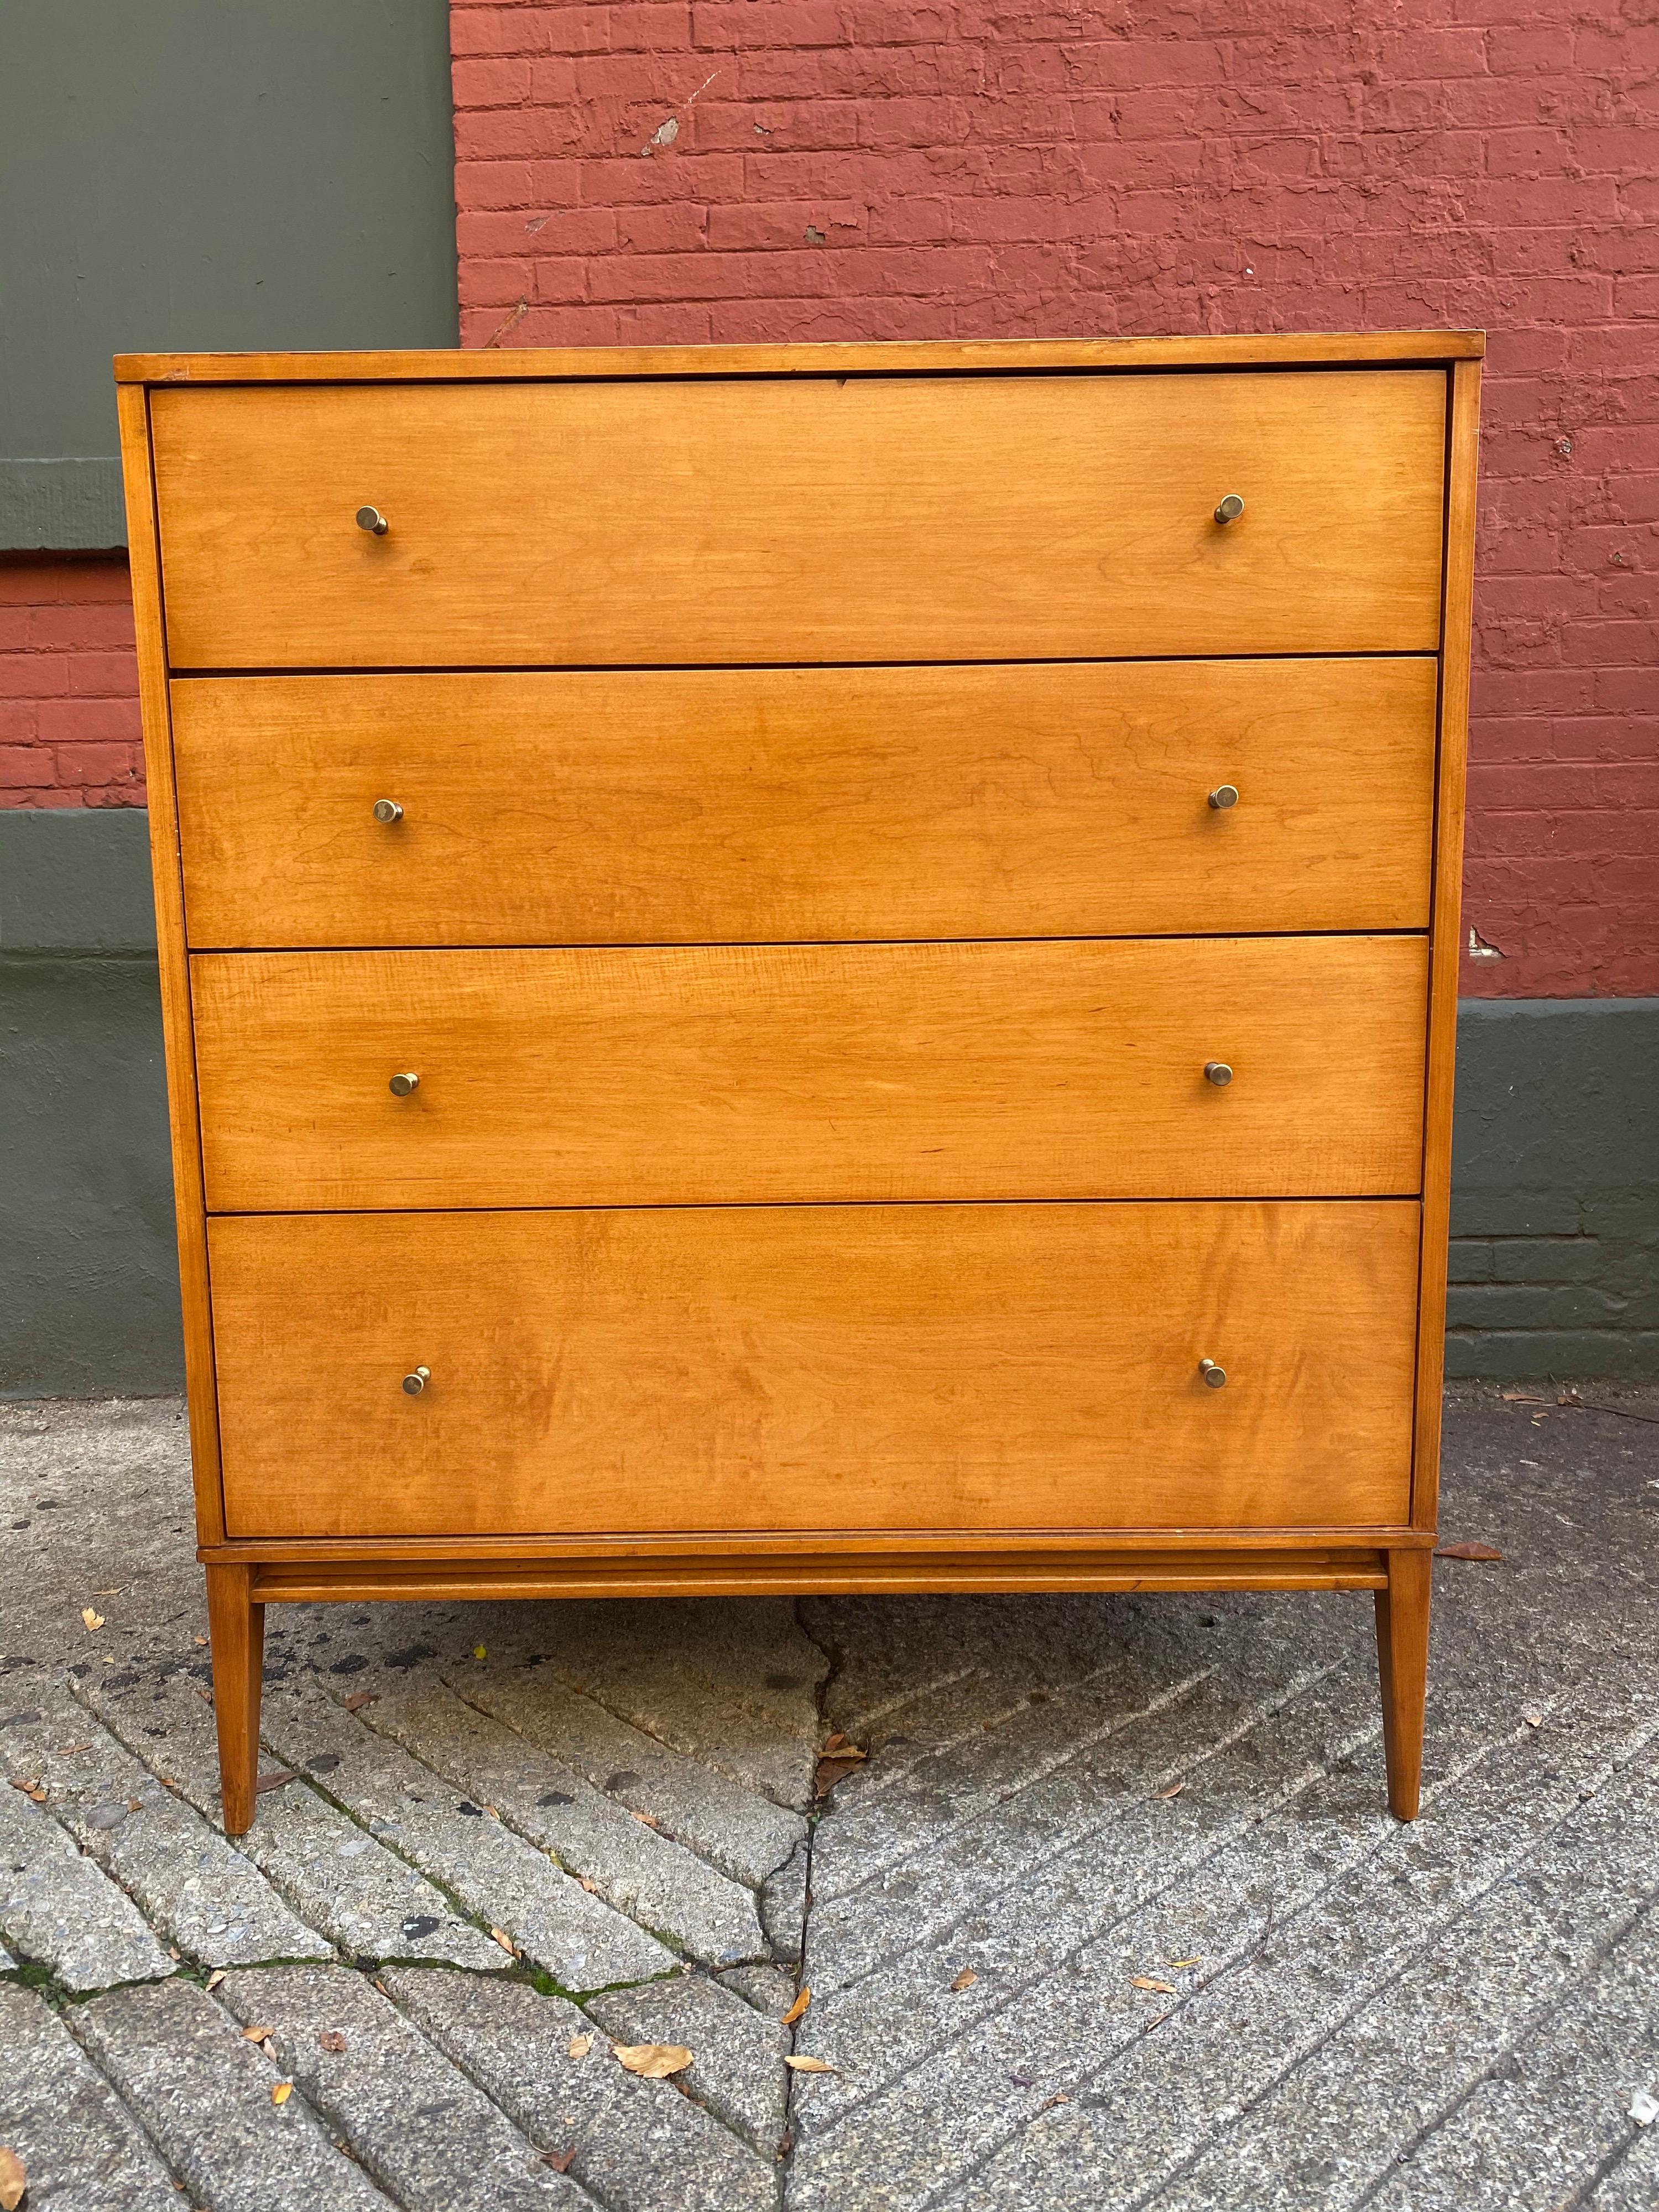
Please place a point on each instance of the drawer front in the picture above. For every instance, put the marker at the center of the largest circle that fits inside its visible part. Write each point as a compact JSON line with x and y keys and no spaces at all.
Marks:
{"x":697,"y":806}
{"x":869,"y":518}
{"x":740,"y":1075}
{"x":816,"y":1368}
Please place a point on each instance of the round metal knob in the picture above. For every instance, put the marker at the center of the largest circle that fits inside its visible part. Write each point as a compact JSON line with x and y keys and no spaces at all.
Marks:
{"x":415,"y":1383}
{"x":1215,"y":1071}
{"x":401,"y":1085}
{"x":1228,"y":511}
{"x":1223,"y":795}
{"x":371,"y":520}
{"x":387,"y":810}
{"x":1215,"y":1378}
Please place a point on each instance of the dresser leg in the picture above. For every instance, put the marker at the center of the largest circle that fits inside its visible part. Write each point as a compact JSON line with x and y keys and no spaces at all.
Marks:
{"x":237,"y":1627}
{"x":1402,"y":1651}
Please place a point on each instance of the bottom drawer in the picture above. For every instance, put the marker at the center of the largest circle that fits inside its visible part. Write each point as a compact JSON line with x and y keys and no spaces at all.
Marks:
{"x":817,"y":1367}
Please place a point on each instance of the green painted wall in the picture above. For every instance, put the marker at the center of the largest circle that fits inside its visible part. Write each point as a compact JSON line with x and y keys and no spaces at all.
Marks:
{"x":1555,"y":1216}
{"x":204,"y":173}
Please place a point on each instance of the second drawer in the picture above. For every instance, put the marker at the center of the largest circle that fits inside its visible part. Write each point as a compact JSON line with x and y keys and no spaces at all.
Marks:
{"x":746,"y":1074}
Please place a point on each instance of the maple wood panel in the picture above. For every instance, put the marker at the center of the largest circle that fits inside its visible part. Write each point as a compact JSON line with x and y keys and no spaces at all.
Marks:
{"x":800,"y":520}
{"x":692,"y":807}
{"x":818,"y":1367}
{"x":736,"y":1074}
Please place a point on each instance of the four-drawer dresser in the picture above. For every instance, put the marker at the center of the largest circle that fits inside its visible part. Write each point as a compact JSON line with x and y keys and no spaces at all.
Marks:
{"x":809,"y":968}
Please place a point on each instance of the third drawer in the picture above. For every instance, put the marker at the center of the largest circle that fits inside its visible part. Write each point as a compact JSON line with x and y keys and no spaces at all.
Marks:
{"x":1074,"y":1068}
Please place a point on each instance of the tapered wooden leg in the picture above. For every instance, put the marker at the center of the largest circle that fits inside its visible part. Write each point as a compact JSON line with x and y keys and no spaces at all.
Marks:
{"x":1402,"y":1652}
{"x":237,"y":1627}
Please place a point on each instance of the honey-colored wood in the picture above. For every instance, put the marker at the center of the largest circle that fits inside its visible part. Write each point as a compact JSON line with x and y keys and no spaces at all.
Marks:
{"x":833,"y":1573}
{"x":1279,"y":350}
{"x":736,"y":1074}
{"x":1403,"y":1651}
{"x":696,"y":806}
{"x":236,"y":1628}
{"x":731,"y":521}
{"x":172,"y":966}
{"x":1446,"y":939}
{"x":690,"y":1368}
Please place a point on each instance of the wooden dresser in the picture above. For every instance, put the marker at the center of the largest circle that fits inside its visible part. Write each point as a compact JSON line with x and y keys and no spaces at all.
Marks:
{"x":809,"y":968}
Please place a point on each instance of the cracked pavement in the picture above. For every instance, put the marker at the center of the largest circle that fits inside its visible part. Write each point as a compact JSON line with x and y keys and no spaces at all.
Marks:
{"x":1112,"y":1914}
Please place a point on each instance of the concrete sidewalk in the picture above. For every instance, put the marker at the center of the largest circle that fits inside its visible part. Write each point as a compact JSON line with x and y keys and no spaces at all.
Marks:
{"x":1113,"y":1915}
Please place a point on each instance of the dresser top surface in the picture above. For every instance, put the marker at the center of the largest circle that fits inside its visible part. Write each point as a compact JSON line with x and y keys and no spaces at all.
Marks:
{"x":1317,"y":350}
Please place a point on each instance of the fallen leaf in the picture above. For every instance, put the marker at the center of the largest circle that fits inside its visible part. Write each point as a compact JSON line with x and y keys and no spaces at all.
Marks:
{"x":69,"y":1750}
{"x":1147,"y":1982}
{"x":278,"y":1778}
{"x":1532,"y":1716}
{"x":578,"y":2046}
{"x":559,"y":2160}
{"x":808,"y":2065}
{"x":965,"y":1979}
{"x":281,"y":2092}
{"x":331,"y":2039}
{"x":1174,"y":1790}
{"x":1060,"y":2097}
{"x":199,"y":1639}
{"x":592,"y":1887}
{"x":257,"y":2034}
{"x":1156,"y":2021}
{"x":837,"y":1761}
{"x":491,"y":1813}
{"x":653,"y":2061}
{"x":134,"y":1805}
{"x":1468,"y":1551}
{"x":359,"y":1698}
{"x":93,"y":1620}
{"x":478,"y":1651}
{"x":648,"y":1820}
{"x":215,"y":1978}
{"x":797,"y":2010}
{"x":13,"y":2180}
{"x":1176,"y":1965}
{"x":500,"y":1937}
{"x":32,"y":1789}
{"x":840,"y":1747}
{"x":206,"y":1696}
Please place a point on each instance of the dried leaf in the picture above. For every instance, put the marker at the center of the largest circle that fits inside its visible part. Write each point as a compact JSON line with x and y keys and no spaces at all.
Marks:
{"x":32,"y":1789}
{"x":1147,"y":1982}
{"x":257,"y":2034}
{"x":1060,"y":2097}
{"x":69,"y":1750}
{"x":839,"y":1758}
{"x":1174,"y":1790}
{"x":592,"y":1887}
{"x":490,"y":1813}
{"x":12,"y":2179}
{"x":1532,"y":1716}
{"x":840,"y":1747}
{"x":281,"y":2092}
{"x":653,"y":2061}
{"x":500,"y":1937}
{"x":578,"y":2046}
{"x":94,"y":1620}
{"x":359,"y":1698}
{"x":199,"y":1639}
{"x":1468,"y":1551}
{"x":559,"y":2160}
{"x":808,"y":2065}
{"x":965,"y":1979}
{"x":331,"y":2039}
{"x":1177,"y":1965}
{"x":648,"y":1820}
{"x":478,"y":1651}
{"x":134,"y":1805}
{"x":278,"y":1778}
{"x":215,"y":1978}
{"x":797,"y":2010}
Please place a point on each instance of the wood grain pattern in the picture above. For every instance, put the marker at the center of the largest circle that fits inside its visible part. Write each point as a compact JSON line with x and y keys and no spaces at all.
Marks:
{"x":886,"y":357}
{"x":886,"y":519}
{"x":762,"y":806}
{"x":1446,"y":941}
{"x":172,"y":965}
{"x":236,"y":1624}
{"x":793,"y":1367}
{"x":744,"y":1073}
{"x":1402,"y":1652}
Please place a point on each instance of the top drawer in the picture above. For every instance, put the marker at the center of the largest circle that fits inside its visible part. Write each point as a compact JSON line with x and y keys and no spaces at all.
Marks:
{"x":964,"y":518}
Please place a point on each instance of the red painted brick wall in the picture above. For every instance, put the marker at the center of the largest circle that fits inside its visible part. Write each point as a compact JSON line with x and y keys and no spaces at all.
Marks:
{"x":69,"y":684}
{"x":748,"y":169}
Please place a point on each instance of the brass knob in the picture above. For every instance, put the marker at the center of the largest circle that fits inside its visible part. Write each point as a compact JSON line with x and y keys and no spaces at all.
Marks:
{"x":1215,"y":1071}
{"x":401,"y":1085}
{"x":1228,"y":511}
{"x":387,"y":810}
{"x":371,"y":520}
{"x":415,"y":1383}
{"x":1215,"y":1378}
{"x":1223,"y":795}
